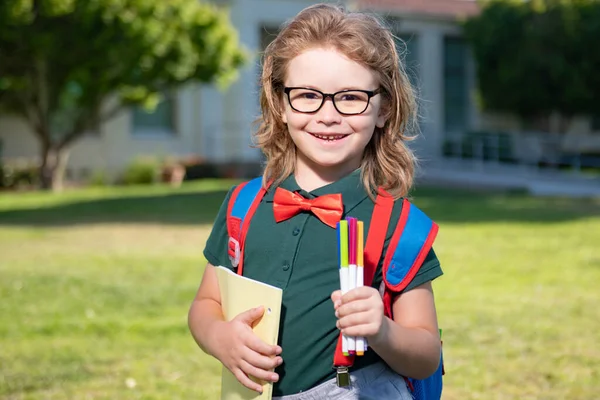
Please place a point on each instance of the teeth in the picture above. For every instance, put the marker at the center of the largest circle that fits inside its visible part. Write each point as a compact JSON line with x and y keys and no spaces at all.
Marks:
{"x":329,"y":137}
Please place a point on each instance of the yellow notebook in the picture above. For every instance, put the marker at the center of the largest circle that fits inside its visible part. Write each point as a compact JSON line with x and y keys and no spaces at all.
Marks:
{"x":239,"y":294}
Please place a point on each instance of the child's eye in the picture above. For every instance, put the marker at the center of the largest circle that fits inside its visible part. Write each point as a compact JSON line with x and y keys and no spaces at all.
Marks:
{"x":349,"y":97}
{"x":352,"y":96}
{"x":309,"y":95}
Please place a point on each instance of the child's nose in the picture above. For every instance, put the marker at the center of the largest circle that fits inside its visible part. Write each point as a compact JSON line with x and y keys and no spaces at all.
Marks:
{"x":328,"y":113}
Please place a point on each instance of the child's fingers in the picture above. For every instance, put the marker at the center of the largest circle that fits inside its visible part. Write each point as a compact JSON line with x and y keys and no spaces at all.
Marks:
{"x":352,"y":308}
{"x":355,"y":319}
{"x":246,"y":381}
{"x":368,"y":330}
{"x":250,"y":316}
{"x":358,"y":293}
{"x":373,"y":319}
{"x":361,"y":324}
{"x":263,"y":362}
{"x":372,"y":304}
{"x":256,"y":344}
{"x":258,"y":373}
{"x":336,"y":296}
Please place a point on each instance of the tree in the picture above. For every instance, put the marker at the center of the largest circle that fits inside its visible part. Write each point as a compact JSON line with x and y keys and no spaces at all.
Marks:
{"x":534,"y":58}
{"x":68,"y":65}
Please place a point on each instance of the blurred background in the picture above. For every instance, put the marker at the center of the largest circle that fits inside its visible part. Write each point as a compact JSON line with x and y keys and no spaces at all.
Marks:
{"x":123,"y":124}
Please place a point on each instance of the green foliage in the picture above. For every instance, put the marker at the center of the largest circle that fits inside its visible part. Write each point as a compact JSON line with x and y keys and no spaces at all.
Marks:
{"x":72,"y":54}
{"x":535,"y":58}
{"x":98,"y":178}
{"x":19,"y":174}
{"x":141,"y":171}
{"x":63,"y":60}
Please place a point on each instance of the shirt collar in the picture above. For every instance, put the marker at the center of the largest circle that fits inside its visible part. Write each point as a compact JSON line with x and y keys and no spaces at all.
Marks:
{"x":350,"y":187}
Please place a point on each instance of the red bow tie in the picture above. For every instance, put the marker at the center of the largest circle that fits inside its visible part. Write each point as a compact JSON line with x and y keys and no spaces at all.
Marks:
{"x":328,"y":208}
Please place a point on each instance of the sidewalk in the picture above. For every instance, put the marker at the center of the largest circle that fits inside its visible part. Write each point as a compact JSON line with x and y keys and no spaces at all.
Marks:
{"x":483,"y":175}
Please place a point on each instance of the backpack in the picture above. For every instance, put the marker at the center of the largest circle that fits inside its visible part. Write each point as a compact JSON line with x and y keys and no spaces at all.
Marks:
{"x":412,"y":239}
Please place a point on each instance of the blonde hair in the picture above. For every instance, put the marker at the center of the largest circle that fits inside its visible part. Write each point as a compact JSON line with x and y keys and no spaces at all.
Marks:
{"x":387,"y":161}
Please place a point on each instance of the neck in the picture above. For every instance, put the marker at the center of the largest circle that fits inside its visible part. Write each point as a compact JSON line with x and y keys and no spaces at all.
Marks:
{"x":310,"y":176}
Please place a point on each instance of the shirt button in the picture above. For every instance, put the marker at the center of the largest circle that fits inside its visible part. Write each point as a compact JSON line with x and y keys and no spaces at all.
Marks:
{"x":286,"y":267}
{"x":296,"y":231}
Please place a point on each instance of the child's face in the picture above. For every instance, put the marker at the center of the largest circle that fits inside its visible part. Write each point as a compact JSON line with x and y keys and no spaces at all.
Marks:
{"x":326,"y":140}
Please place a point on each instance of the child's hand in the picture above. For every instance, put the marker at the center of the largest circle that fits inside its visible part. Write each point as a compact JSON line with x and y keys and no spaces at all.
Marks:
{"x":243,"y":353}
{"x":359,"y":312}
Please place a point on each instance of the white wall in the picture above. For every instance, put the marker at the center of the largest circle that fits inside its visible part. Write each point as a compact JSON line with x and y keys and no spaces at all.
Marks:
{"x":114,"y":145}
{"x":18,"y":141}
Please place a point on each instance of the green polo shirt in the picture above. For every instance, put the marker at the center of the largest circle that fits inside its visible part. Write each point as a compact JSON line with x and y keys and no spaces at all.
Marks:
{"x":300,"y":256}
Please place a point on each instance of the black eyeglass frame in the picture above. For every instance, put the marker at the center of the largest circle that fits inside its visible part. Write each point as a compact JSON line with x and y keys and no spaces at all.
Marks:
{"x":369,"y":93}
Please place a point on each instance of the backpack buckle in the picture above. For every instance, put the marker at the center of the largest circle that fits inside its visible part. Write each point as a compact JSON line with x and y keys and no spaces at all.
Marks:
{"x":234,"y":251}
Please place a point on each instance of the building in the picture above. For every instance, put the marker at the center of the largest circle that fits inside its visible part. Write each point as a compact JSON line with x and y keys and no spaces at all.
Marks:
{"x":200,"y":120}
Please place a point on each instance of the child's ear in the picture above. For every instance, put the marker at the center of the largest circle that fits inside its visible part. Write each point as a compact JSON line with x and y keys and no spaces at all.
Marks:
{"x":384,"y":114}
{"x":282,"y":108}
{"x":381,"y":119}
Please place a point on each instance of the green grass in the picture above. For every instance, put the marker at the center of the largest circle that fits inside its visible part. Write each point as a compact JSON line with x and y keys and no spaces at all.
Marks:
{"x":95,"y":286}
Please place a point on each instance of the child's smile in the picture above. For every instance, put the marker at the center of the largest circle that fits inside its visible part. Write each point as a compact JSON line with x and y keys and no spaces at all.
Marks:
{"x":329,"y":137}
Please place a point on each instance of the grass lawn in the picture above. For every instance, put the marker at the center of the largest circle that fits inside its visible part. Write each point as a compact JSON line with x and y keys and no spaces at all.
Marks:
{"x":95,"y":286}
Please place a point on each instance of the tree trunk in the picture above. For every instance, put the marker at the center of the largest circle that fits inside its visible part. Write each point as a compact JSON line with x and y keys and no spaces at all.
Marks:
{"x":54,"y":165}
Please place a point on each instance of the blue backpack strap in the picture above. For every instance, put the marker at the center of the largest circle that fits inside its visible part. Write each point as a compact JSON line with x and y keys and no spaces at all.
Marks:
{"x":411,"y":242}
{"x":241,"y":207}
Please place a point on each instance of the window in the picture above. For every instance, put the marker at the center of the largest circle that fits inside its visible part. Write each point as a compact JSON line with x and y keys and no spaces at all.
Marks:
{"x":455,"y":84}
{"x":161,"y":120}
{"x":267,"y":34}
{"x":408,"y":49}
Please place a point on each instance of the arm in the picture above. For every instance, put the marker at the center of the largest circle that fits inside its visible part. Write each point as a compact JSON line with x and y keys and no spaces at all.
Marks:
{"x":233,"y":343}
{"x":205,"y":311}
{"x":410,"y":343}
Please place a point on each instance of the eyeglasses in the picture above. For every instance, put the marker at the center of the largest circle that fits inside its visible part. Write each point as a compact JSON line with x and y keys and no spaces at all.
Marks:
{"x":346,"y":102}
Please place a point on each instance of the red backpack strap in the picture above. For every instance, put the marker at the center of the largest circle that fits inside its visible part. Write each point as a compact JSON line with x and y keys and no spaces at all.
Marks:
{"x":241,"y":207}
{"x":380,"y":218}
{"x":411,"y":242}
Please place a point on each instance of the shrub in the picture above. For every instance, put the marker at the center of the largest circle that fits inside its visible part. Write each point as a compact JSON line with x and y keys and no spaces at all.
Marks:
{"x":141,"y":171}
{"x":19,"y":174}
{"x":98,"y":178}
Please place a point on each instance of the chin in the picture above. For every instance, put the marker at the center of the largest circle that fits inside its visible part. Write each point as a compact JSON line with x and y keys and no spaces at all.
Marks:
{"x":330,"y":164}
